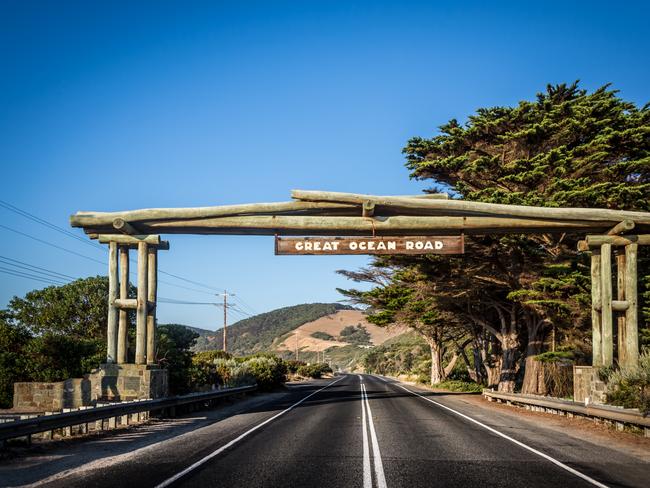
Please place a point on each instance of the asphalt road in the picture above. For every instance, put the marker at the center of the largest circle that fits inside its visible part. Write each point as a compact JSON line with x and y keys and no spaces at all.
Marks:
{"x":367,"y":431}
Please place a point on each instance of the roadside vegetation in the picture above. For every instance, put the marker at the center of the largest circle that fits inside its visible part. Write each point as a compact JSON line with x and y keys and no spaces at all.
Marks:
{"x":59,"y":332}
{"x":514,"y":311}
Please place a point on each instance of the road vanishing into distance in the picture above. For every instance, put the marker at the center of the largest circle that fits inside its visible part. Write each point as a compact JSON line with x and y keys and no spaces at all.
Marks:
{"x":354,"y":431}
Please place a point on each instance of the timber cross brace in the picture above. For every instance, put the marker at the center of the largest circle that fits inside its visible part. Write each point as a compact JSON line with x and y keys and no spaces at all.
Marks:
{"x":319,"y":213}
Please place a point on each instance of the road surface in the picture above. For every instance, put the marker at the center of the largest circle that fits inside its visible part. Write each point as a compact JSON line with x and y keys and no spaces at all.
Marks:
{"x":365,"y":431}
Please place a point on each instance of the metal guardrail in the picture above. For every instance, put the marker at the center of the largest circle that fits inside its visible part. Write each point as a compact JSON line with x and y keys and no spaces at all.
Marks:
{"x":603,"y":412}
{"x":44,"y":423}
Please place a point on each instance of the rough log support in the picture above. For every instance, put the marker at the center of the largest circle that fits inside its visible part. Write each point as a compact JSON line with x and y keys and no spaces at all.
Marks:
{"x":631,"y":314}
{"x":141,"y":311}
{"x":129,"y":240}
{"x":152,"y":287}
{"x":595,"y":241}
{"x":596,"y":325}
{"x":123,"y":328}
{"x":606,"y":304}
{"x":368,"y":209}
{"x":111,"y":333}
{"x":124,"y":227}
{"x":620,"y":295}
{"x":623,"y":226}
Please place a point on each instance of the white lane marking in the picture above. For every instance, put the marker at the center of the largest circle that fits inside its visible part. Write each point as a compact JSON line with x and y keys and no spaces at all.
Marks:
{"x":367,"y":473}
{"x":515,"y":441}
{"x":376,"y":454}
{"x":204,"y":460}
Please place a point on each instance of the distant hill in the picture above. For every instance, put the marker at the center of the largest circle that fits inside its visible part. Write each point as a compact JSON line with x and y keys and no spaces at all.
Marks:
{"x":258,"y":333}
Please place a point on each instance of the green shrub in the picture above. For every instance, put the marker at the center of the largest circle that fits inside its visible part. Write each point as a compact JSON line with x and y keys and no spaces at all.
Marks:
{"x":630,"y":387}
{"x":463,"y":386}
{"x":293,"y":365}
{"x":316,"y":370}
{"x":269,"y":371}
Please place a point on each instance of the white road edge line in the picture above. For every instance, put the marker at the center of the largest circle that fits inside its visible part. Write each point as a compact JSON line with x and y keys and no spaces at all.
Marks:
{"x":515,"y":441}
{"x":204,"y":460}
{"x":367,"y":473}
{"x":376,"y":454}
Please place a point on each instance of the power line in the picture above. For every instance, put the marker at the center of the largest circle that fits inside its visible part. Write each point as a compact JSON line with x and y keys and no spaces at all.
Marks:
{"x":27,"y":215}
{"x":32,"y":268}
{"x":34,"y":218}
{"x":52,"y":245}
{"x":20,"y":274}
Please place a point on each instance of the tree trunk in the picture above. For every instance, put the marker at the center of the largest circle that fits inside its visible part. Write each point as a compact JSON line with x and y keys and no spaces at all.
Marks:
{"x":509,"y":343}
{"x":437,"y":371}
{"x":534,"y":382}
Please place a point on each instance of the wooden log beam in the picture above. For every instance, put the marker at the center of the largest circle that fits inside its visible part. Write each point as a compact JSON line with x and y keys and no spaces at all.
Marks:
{"x":621,"y":227}
{"x":597,"y":241}
{"x":617,"y":305}
{"x":631,"y":314}
{"x":125,"y":227}
{"x":131,"y":239}
{"x":123,"y":322}
{"x":606,"y":304}
{"x":141,"y":311}
{"x":86,"y":219}
{"x":596,"y":325}
{"x":126,"y":303}
{"x":469,"y":208}
{"x":368,"y":209}
{"x":152,"y":290}
{"x":111,"y":333}
{"x":397,"y":225}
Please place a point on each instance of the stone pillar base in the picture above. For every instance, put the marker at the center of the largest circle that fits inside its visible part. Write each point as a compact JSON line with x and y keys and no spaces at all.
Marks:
{"x":587,"y":387}
{"x":123,"y":382}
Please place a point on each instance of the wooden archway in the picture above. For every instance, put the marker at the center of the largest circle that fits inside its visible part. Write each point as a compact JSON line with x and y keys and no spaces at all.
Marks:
{"x":347,"y":214}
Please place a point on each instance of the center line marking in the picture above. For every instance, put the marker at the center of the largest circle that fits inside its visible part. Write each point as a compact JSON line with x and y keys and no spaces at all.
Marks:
{"x":204,"y":460}
{"x":367,"y":473}
{"x":515,"y":441}
{"x":376,"y":454}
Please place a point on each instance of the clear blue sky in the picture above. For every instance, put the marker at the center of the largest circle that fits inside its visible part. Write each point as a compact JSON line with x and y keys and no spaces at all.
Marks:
{"x":121,"y":105}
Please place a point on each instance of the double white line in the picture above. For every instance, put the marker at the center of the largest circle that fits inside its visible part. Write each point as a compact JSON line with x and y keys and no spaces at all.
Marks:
{"x":376,"y":454}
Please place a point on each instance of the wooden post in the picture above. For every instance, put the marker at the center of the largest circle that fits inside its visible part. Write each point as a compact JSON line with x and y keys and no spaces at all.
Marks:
{"x":141,"y":311}
{"x":122,"y":332}
{"x":606,"y":304}
{"x":596,"y":323}
{"x":631,"y":314}
{"x":111,"y":334}
{"x":620,"y":295}
{"x":152,"y":287}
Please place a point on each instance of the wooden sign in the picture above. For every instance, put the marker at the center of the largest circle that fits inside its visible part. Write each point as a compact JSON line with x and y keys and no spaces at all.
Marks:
{"x":369,"y":245}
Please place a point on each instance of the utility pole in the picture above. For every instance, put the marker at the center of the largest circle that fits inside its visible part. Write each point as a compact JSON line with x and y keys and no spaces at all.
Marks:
{"x":225,"y":295}
{"x":296,"y":344}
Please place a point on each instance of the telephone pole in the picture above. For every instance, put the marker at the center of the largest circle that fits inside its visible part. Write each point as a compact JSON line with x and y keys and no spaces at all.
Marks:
{"x":225,"y":295}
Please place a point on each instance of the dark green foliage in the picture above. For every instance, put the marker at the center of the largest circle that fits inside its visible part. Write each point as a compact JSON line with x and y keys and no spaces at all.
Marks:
{"x":268,"y":370}
{"x":53,"y":357}
{"x":630,"y":387}
{"x":53,"y":334}
{"x":13,"y":339}
{"x":173,"y":352}
{"x":316,"y":370}
{"x":293,"y":365}
{"x":323,"y":335}
{"x":357,"y":335}
{"x":256,"y":334}
{"x":78,"y":309}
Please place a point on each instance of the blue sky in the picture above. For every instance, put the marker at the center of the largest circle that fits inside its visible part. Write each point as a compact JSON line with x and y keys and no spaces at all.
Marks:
{"x":122,"y":105}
